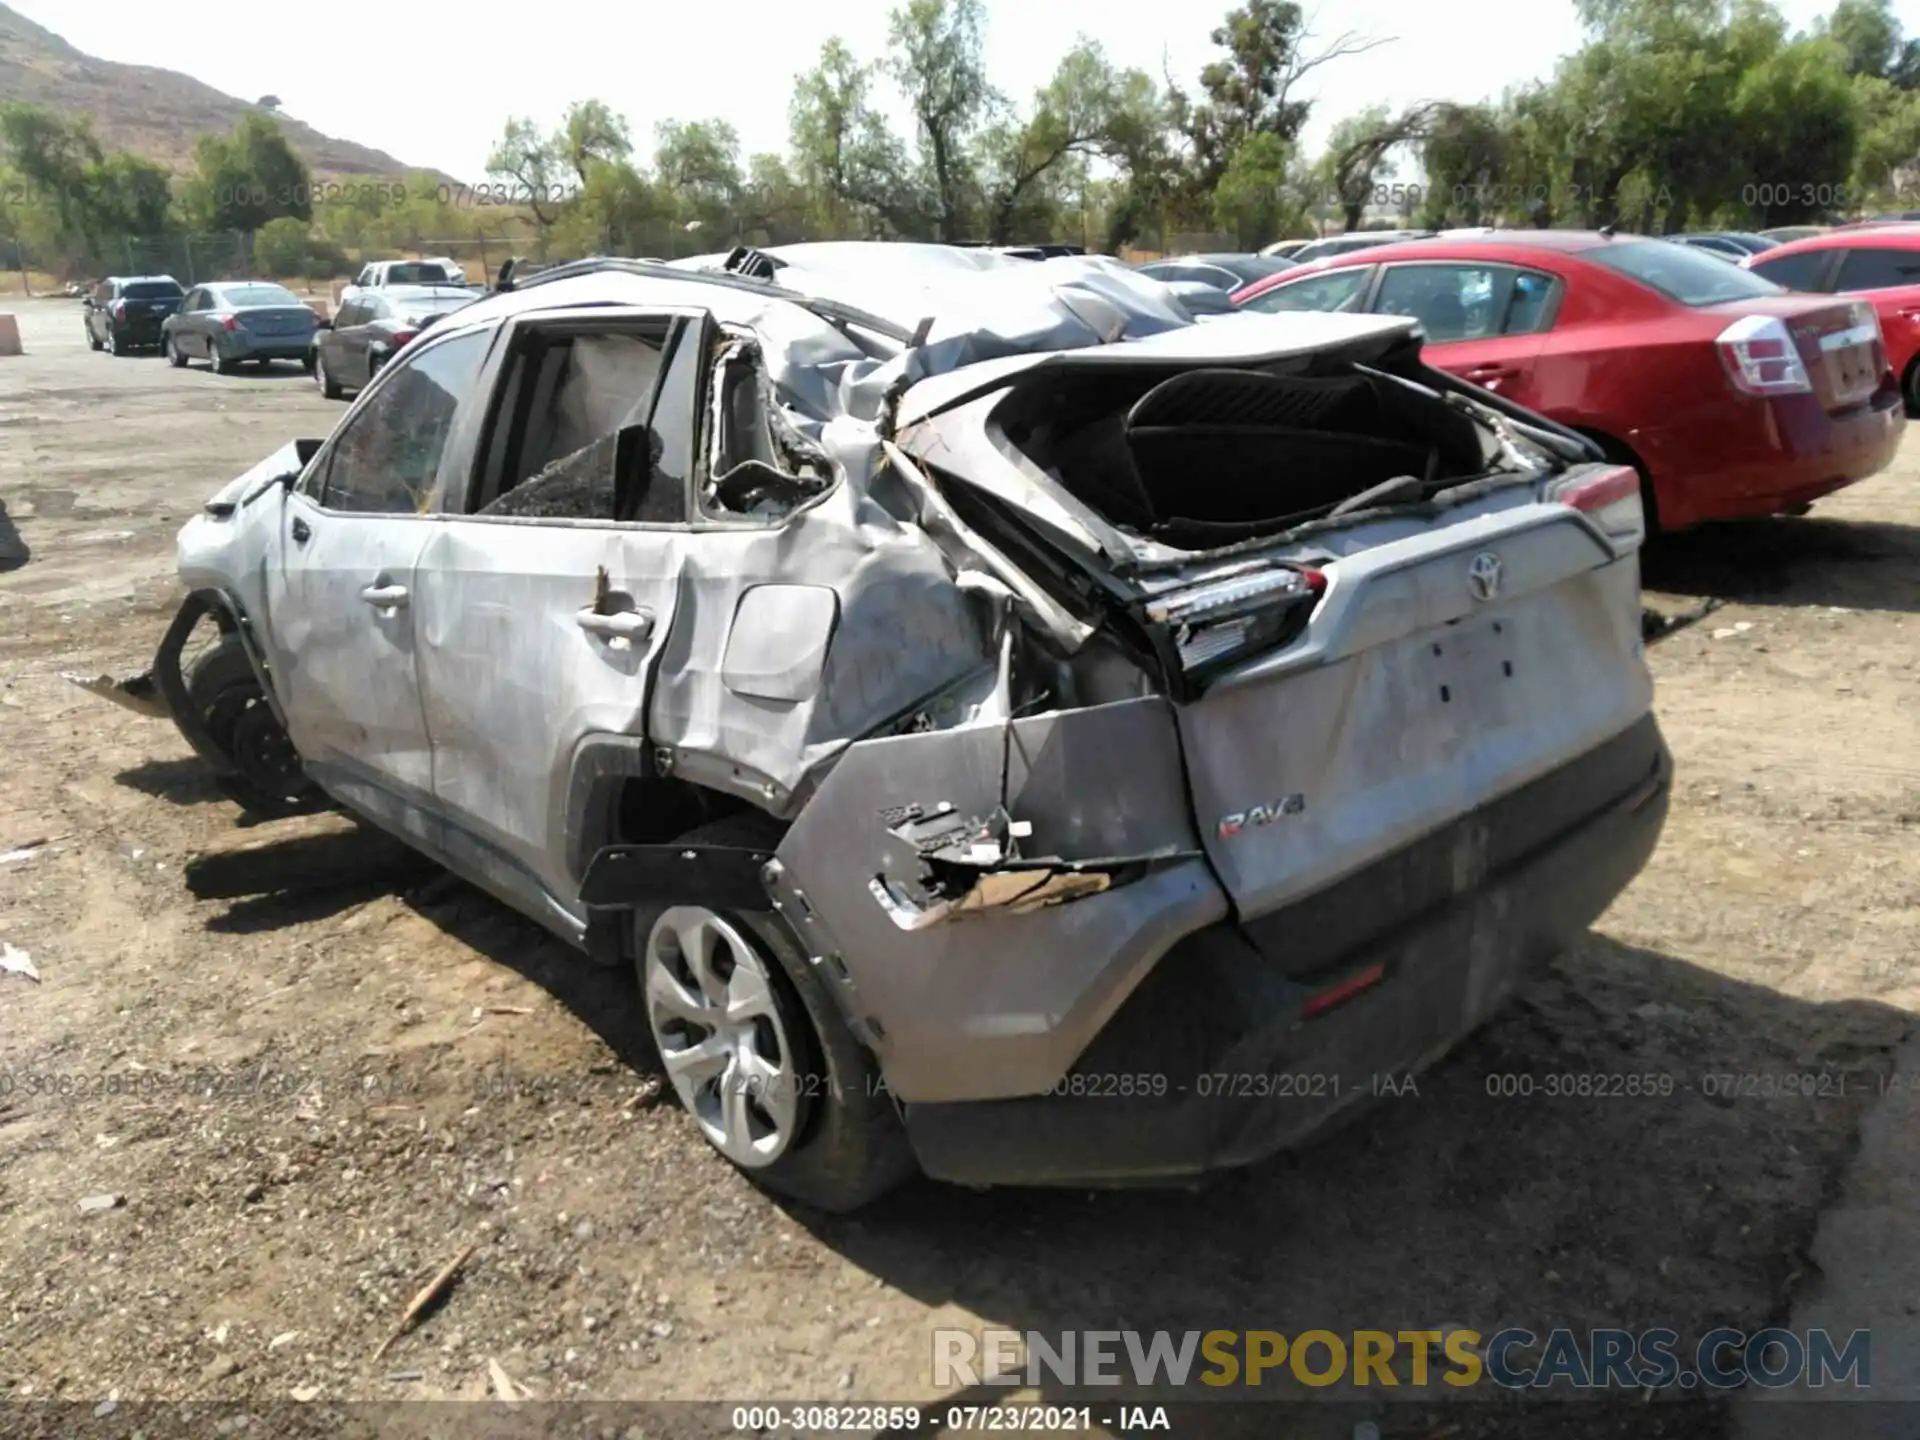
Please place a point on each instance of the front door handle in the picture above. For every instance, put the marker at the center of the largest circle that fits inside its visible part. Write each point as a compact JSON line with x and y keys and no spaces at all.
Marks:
{"x":385,"y":597}
{"x":620,"y":625}
{"x":302,"y":532}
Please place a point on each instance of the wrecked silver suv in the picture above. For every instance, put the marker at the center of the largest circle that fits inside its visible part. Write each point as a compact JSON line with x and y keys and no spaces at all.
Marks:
{"x":1016,"y":730}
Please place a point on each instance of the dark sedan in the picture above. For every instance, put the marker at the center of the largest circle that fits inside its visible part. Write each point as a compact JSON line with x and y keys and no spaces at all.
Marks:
{"x":1223,"y":272}
{"x":236,"y":321}
{"x":125,"y":312}
{"x":371,"y":326}
{"x":1735,"y":245}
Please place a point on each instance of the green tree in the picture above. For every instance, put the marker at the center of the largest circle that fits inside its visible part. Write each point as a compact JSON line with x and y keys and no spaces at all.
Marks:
{"x":1252,"y":88}
{"x":939,"y":62}
{"x":128,"y":196}
{"x":1252,"y":200}
{"x":533,"y":164}
{"x":590,"y":133}
{"x":51,"y":157}
{"x":1087,"y":109}
{"x":244,"y":179}
{"x":851,"y":164}
{"x":1467,"y":154}
{"x":1360,"y":155}
{"x":698,"y":163}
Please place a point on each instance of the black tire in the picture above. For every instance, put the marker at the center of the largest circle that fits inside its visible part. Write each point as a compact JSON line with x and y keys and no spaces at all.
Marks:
{"x":264,"y":363}
{"x":1619,"y":454}
{"x":323,"y":377}
{"x":306,"y":362}
{"x":93,"y":341}
{"x":114,"y":347}
{"x":218,"y":359}
{"x":851,"y":1147}
{"x":1910,"y":387}
{"x":176,"y":357}
{"x":266,"y":778}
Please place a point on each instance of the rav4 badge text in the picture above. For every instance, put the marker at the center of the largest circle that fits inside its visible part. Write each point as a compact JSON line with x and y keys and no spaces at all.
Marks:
{"x":1255,"y":816}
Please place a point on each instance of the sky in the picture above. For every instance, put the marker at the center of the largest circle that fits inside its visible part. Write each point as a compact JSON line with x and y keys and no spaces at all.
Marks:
{"x":436,"y":92}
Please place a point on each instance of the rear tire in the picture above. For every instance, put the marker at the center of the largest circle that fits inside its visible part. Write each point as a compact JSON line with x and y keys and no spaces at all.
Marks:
{"x":218,"y":359}
{"x":844,"y":1145}
{"x":1910,"y":387}
{"x":267,"y":778}
{"x":323,"y":377}
{"x":176,"y":357}
{"x":113,"y":344}
{"x":93,"y":341}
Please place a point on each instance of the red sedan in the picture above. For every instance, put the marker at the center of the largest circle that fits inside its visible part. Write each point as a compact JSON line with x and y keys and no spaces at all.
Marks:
{"x":1730,"y":395}
{"x":1879,"y":263}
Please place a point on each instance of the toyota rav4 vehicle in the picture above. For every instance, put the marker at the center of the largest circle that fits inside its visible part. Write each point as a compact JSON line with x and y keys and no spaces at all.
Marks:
{"x":1012,"y":729}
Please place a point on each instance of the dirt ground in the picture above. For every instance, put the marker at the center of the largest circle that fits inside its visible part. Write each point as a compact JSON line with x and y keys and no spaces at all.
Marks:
{"x":308,"y":1103}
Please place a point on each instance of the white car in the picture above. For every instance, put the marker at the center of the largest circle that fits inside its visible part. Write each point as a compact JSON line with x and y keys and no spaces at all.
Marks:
{"x":428,"y":270}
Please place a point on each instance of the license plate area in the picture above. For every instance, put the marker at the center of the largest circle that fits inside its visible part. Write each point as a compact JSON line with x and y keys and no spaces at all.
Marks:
{"x":1851,"y":373}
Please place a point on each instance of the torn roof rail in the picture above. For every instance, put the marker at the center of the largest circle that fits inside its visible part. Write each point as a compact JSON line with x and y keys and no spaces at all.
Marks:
{"x":830,"y":310}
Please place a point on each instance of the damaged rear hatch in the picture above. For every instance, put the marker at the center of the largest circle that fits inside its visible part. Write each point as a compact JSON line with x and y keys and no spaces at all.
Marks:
{"x":1377,"y":602}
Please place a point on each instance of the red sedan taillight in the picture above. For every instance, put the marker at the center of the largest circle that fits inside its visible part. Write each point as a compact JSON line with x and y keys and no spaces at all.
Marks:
{"x":1761,"y":358}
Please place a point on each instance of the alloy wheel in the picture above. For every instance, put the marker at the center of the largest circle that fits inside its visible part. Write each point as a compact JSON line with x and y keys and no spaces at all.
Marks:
{"x":712,"y":1009}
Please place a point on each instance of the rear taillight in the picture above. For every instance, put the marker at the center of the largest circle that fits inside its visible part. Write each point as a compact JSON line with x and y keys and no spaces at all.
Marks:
{"x":1610,"y":497}
{"x":1761,"y":359}
{"x":1218,"y":622}
{"x":401,"y":337}
{"x":229,"y":322}
{"x":120,"y":310}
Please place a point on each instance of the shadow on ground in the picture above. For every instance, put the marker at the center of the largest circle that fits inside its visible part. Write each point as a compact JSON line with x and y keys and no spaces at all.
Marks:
{"x":1471,"y":1204}
{"x":1805,"y":560}
{"x":184,"y":781}
{"x":1634,"y":1141}
{"x":13,"y":550}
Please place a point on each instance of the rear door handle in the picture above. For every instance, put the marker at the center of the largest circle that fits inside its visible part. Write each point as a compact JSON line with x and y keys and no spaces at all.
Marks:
{"x":302,"y":532}
{"x":1482,"y":373}
{"x":385,"y":597}
{"x":621,"y":625}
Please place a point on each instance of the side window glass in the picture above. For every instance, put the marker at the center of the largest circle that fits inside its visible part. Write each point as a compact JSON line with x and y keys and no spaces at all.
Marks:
{"x":387,"y":454}
{"x":1451,"y":302}
{"x":1336,"y":290}
{"x":570,"y":398}
{"x":1527,"y":309}
{"x":1797,"y":272}
{"x":1879,"y":269}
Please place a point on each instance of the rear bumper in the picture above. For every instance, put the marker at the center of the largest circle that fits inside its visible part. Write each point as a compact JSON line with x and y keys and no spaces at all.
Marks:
{"x":1785,"y":452}
{"x":138,"y":332}
{"x":241,"y":346}
{"x":1215,"y":1060}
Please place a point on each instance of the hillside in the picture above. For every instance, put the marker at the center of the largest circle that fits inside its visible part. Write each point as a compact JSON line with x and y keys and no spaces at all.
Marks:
{"x":154,"y":113}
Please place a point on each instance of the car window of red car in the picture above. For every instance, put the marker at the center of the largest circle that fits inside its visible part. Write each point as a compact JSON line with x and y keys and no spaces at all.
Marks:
{"x":1530,"y":309}
{"x":1800,"y":271}
{"x":1879,"y":269}
{"x":1681,"y":273}
{"x":1333,"y":290}
{"x":1451,"y":302}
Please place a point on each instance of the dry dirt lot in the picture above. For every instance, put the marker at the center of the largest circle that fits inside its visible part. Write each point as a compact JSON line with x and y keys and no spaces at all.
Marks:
{"x":437,"y":1072}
